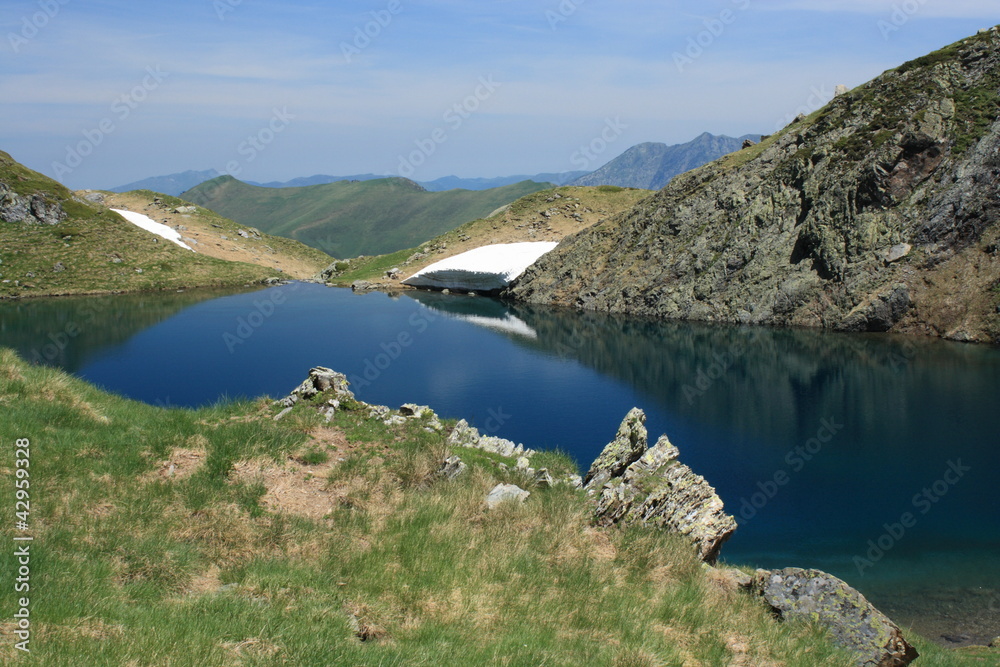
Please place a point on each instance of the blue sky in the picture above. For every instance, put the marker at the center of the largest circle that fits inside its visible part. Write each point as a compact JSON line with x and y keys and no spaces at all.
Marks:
{"x":103,"y":92}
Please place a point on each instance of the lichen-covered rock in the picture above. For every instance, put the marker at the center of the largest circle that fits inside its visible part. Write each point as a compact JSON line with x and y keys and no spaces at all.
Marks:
{"x":656,"y":489}
{"x":323,"y":379}
{"x":629,"y":444}
{"x":852,"y":621}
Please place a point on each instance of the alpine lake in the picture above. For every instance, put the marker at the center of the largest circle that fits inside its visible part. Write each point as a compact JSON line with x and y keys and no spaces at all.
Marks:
{"x":872,"y":457}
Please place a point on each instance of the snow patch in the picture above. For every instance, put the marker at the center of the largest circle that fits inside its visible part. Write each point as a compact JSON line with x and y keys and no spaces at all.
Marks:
{"x":485,"y":269}
{"x":150,"y":225}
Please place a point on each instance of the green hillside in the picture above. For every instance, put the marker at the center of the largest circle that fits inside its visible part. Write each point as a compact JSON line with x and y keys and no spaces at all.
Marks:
{"x":53,"y":242}
{"x":347,"y":219}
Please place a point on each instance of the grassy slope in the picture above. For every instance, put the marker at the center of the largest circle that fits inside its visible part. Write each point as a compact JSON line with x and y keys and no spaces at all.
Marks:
{"x":233,"y":560}
{"x":86,"y":243}
{"x":296,"y":260}
{"x":347,"y":219}
{"x":521,"y":221}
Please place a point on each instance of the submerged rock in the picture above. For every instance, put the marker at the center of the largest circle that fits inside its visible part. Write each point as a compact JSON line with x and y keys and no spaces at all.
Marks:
{"x":651,"y":487}
{"x":852,"y":621}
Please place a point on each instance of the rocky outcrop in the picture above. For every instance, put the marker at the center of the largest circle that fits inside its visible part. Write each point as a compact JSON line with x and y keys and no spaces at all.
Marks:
{"x":649,"y":486}
{"x":464,"y":435}
{"x":629,"y":444}
{"x":33,"y":210}
{"x":853,"y":622}
{"x":809,"y":227}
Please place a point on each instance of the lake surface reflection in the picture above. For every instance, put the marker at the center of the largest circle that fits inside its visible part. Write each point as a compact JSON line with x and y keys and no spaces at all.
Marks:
{"x":819,"y":443}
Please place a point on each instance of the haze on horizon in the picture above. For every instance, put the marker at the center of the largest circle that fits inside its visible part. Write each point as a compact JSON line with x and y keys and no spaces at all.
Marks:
{"x":98,"y":93}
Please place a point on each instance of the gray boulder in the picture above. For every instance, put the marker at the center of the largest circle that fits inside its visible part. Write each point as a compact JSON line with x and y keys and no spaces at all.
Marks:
{"x":506,"y":492}
{"x":852,"y":621}
{"x":323,"y":379}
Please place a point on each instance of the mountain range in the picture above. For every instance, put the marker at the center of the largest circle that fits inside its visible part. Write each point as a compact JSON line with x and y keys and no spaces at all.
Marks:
{"x":649,"y":166}
{"x":175,"y":184}
{"x":350,"y":218}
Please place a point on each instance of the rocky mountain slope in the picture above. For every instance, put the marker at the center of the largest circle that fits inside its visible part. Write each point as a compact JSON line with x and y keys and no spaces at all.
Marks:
{"x":53,"y":241}
{"x":651,"y":165}
{"x":878,"y":212}
{"x":347,"y":219}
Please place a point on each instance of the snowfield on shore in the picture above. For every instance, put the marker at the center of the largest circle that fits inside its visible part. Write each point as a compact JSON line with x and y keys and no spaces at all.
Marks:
{"x":484,"y":269}
{"x":150,"y":225}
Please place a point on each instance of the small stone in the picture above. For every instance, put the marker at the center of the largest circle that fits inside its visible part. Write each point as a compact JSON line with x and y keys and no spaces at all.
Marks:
{"x":897,"y":252}
{"x":415,"y":411}
{"x":841,"y":89}
{"x":505,"y":492}
{"x":59,"y":267}
{"x":378,"y":411}
{"x":543,"y":479}
{"x":281,"y":415}
{"x":452,"y":467}
{"x":522,"y":463}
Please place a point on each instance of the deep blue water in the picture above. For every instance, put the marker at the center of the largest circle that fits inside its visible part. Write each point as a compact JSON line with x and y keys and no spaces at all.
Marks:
{"x":819,"y":443}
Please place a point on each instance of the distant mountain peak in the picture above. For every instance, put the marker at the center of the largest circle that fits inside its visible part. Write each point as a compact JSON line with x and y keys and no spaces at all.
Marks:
{"x":650,"y":165}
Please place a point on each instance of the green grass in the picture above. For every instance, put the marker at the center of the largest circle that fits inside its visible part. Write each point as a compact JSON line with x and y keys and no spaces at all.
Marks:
{"x":347,"y":219}
{"x":134,"y":565}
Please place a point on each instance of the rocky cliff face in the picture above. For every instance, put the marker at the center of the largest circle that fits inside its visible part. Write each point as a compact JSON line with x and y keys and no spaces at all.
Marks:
{"x":879,"y":212}
{"x":34,"y":209}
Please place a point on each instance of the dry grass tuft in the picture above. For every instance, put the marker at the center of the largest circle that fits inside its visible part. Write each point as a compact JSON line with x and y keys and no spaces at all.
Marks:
{"x":182,"y":462}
